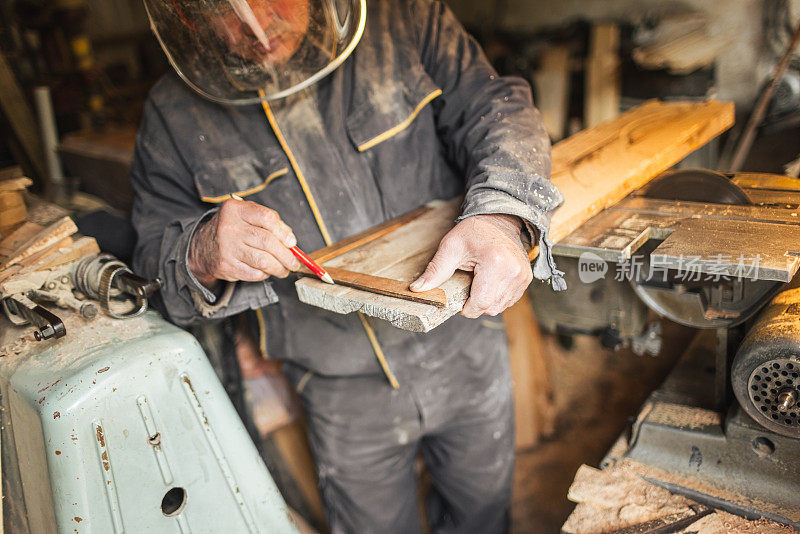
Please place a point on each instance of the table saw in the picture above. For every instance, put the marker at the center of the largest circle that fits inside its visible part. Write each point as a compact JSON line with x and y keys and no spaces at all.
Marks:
{"x":719,"y":253}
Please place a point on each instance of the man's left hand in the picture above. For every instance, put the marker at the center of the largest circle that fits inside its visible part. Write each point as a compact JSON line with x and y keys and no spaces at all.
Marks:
{"x":490,"y":246}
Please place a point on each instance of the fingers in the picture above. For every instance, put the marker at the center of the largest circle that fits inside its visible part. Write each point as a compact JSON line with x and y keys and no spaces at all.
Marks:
{"x":263,"y":230}
{"x":243,"y":241}
{"x":496,"y":287}
{"x":260,"y":239}
{"x":263,"y":261}
{"x":263,"y":217}
{"x":238,"y":270}
{"x":448,"y":258}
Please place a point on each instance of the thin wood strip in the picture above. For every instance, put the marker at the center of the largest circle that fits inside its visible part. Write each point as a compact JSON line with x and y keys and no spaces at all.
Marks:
{"x":346,"y":245}
{"x":80,"y":248}
{"x":19,"y":236}
{"x":45,"y":253}
{"x":7,"y":273}
{"x":50,"y":235}
{"x":383,"y":286}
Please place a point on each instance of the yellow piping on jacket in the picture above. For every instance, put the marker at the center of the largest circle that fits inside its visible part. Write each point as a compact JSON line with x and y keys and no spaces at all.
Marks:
{"x":256,"y":189}
{"x":373,"y":339}
{"x":394,"y":130}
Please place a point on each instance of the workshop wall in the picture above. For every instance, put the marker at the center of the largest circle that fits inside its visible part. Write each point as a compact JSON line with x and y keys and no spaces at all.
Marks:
{"x":747,"y":60}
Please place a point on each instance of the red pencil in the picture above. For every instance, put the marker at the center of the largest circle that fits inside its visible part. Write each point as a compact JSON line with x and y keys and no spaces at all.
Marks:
{"x":311,"y":264}
{"x":304,"y":259}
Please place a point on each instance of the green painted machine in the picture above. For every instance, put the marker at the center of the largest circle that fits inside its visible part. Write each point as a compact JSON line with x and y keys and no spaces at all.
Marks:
{"x":122,"y":426}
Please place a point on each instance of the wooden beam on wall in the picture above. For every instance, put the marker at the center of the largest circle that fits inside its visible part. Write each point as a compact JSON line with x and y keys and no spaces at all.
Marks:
{"x":552,"y":85}
{"x":21,"y":119}
{"x":603,"y":85}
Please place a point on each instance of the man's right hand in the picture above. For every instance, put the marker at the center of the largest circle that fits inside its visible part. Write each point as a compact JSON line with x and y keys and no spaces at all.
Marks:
{"x":242,"y":241}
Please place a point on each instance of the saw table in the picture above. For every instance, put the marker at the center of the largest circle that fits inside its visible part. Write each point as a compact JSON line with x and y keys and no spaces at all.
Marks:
{"x":718,"y":253}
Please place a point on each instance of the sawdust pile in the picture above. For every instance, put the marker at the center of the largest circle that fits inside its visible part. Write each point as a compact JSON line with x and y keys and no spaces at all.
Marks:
{"x":617,"y":497}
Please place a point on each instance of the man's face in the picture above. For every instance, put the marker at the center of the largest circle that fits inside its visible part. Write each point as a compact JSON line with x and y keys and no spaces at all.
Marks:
{"x":262,"y":31}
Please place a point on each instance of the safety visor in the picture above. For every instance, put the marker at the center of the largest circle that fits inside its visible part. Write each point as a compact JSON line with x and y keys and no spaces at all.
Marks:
{"x":246,"y":51}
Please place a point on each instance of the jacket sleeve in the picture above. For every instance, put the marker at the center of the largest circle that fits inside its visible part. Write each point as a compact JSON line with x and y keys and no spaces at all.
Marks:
{"x":166,"y":212}
{"x":490,"y":129}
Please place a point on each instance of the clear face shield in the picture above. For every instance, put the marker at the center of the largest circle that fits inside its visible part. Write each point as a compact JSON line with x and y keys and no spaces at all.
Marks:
{"x":246,"y":51}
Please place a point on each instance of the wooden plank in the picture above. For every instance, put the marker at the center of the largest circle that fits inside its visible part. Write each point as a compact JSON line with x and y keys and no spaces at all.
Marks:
{"x":17,"y":238}
{"x":770,"y":182}
{"x":598,"y":167}
{"x":534,"y":404}
{"x":593,"y":169}
{"x":603,"y":81}
{"x":552,"y":85}
{"x":384,"y":286}
{"x":401,"y":255}
{"x":47,"y":237}
{"x":43,"y":254}
{"x":13,"y":211}
{"x":20,"y":117}
{"x":346,"y":245}
{"x":15,"y":184}
{"x":67,"y":251}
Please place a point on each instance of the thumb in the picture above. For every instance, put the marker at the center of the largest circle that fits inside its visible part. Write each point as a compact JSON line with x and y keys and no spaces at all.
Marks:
{"x":439,"y":270}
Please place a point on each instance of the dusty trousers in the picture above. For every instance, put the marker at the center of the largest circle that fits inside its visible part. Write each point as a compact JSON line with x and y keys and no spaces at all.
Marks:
{"x":366,"y":436}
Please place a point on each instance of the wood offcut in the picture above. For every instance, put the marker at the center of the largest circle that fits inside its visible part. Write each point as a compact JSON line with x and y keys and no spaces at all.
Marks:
{"x":43,"y":239}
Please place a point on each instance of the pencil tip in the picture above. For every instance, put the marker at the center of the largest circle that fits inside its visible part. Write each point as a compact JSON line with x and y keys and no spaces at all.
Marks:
{"x":327,"y":278}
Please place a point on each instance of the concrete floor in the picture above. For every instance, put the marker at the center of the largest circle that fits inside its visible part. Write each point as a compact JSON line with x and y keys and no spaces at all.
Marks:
{"x":596,"y":392}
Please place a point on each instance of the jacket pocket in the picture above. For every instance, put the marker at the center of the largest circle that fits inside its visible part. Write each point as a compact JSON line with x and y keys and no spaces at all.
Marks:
{"x":380,"y":112}
{"x":241,"y":175}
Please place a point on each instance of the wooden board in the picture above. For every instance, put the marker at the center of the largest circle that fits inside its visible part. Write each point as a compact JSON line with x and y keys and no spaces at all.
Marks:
{"x":14,"y":184}
{"x":593,"y":169}
{"x":14,"y":106}
{"x":352,"y":242}
{"x":551,"y":81}
{"x":534,"y":400}
{"x":386,"y":286}
{"x":65,"y":252}
{"x":13,"y":211}
{"x":417,"y":240}
{"x":603,"y":81}
{"x":598,"y":167}
{"x":13,"y":241}
{"x":42,"y":240}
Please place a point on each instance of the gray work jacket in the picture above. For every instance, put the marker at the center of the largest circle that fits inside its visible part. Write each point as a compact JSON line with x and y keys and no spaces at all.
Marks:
{"x":415,"y":114}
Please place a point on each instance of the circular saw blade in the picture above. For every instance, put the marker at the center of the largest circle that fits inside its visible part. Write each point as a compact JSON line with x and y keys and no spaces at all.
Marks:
{"x":696,"y":185}
{"x":687,"y":304}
